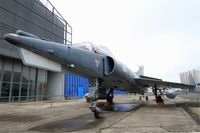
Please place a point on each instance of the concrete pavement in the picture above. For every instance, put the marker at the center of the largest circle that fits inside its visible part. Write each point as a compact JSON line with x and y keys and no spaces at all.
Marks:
{"x":74,"y":116}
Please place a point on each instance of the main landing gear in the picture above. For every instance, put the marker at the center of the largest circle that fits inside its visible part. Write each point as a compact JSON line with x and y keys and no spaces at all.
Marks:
{"x":109,"y":98}
{"x":159,"y":99}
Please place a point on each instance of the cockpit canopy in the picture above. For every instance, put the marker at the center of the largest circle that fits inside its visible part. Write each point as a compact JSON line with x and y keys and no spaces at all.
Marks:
{"x":94,"y":48}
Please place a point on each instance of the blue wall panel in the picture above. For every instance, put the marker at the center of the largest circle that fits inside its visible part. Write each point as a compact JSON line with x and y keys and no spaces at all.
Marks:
{"x":72,"y":85}
{"x":118,"y":92}
{"x":80,"y":92}
{"x":74,"y":82}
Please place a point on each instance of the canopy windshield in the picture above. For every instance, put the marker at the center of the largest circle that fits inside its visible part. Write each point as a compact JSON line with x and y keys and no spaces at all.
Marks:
{"x":94,"y":48}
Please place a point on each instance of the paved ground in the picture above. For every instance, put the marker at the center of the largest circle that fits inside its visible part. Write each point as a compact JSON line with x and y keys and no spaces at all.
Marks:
{"x":74,"y":116}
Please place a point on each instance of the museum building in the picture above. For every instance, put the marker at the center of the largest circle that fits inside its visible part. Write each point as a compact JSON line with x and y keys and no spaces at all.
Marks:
{"x":19,"y":82}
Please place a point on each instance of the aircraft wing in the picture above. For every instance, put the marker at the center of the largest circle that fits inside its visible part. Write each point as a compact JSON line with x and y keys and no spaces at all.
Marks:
{"x":152,"y":82}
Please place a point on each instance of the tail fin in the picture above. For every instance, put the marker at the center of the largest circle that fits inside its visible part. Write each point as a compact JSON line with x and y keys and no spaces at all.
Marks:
{"x":140,"y":70}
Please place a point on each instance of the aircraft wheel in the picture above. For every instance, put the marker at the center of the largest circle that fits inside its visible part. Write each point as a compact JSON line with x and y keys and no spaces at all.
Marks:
{"x":98,"y":114}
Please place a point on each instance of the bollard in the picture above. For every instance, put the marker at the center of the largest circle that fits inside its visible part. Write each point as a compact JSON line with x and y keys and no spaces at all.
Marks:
{"x":147,"y":98}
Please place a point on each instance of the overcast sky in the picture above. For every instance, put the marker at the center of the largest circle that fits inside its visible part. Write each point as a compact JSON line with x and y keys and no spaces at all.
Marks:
{"x":162,"y":35}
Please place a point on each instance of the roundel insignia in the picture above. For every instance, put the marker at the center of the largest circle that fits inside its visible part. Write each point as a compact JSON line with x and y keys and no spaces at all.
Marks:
{"x":97,"y":63}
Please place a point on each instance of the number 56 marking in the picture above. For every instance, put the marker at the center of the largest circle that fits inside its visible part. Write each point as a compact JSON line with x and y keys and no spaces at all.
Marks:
{"x":92,"y":84}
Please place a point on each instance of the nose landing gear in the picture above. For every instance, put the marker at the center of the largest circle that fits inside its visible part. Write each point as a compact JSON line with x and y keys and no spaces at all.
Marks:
{"x":93,"y":97}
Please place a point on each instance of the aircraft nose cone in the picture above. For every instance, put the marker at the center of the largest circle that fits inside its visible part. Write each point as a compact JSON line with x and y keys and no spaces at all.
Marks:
{"x":12,"y":38}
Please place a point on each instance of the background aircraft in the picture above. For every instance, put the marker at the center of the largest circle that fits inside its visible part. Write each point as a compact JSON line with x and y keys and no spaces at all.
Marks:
{"x":105,"y":73}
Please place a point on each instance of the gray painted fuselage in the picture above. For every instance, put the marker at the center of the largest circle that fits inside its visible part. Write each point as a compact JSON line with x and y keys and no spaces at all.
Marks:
{"x":113,"y":74}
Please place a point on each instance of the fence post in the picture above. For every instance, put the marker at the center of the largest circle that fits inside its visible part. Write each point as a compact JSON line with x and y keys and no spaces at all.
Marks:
{"x":51,"y":101}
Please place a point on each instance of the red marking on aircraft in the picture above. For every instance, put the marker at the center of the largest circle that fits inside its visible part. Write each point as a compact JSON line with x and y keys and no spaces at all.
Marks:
{"x":97,"y":63}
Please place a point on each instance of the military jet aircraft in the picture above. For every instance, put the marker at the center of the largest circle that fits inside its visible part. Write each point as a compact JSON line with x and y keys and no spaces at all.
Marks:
{"x":104,"y":71}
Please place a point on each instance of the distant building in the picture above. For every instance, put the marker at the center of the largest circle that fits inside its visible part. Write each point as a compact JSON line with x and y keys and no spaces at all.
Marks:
{"x":191,"y":77}
{"x":19,"y":82}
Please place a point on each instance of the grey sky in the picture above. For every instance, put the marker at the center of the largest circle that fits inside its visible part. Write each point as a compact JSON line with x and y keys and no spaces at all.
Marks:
{"x":162,"y":35}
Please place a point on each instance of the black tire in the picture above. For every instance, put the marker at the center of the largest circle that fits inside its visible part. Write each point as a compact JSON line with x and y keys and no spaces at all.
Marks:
{"x":98,"y":115}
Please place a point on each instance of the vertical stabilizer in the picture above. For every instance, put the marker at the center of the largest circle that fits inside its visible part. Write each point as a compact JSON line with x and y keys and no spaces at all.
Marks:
{"x":140,"y":70}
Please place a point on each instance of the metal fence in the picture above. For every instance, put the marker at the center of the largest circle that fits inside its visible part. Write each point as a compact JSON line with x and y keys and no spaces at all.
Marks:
{"x":39,"y":17}
{"x":49,"y":101}
{"x":30,"y":98}
{"x":46,"y":98}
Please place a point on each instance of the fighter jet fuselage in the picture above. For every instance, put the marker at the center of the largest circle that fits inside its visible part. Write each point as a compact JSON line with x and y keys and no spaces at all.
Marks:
{"x":111,"y":72}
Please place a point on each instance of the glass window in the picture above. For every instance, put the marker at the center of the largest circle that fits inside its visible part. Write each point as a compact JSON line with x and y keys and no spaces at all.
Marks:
{"x":32,"y":91}
{"x":25,"y":69}
{"x":5,"y":91}
{"x":32,"y":75}
{"x":25,"y":74}
{"x":16,"y":77}
{"x":24,"y":90}
{"x":1,"y":65}
{"x":17,"y":67}
{"x":8,"y":65}
{"x":7,"y":76}
{"x":25,"y":77}
{"x":32,"y":79}
{"x":42,"y":76}
{"x":33,"y":70}
{"x":41,"y":83}
{"x":17,"y":72}
{"x":15,"y":92}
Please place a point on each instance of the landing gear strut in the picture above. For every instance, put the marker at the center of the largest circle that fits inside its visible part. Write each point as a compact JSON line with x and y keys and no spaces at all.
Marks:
{"x":93,"y":97}
{"x":110,"y":97}
{"x":159,"y":99}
